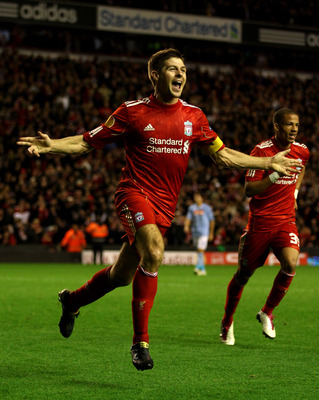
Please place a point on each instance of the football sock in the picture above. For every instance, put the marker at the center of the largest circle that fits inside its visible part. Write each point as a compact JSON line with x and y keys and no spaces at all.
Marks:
{"x":144,"y":291}
{"x":279,"y":289}
{"x":200,"y":261}
{"x":234,"y":292}
{"x":95,"y":288}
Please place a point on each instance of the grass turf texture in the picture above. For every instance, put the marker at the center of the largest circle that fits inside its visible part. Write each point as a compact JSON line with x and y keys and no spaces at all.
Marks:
{"x":189,"y":361}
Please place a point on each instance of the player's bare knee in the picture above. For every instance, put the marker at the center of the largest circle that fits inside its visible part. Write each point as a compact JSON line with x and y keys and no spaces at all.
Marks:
{"x":152,"y":258}
{"x":289,"y":266}
{"x":288,"y":260}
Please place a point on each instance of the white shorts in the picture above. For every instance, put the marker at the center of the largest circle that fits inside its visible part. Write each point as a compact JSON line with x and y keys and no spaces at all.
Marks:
{"x":200,"y":242}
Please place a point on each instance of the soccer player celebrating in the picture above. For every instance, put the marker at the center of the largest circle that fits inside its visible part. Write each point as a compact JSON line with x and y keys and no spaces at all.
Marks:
{"x":200,"y":222}
{"x":159,"y":133}
{"x":271,"y":224}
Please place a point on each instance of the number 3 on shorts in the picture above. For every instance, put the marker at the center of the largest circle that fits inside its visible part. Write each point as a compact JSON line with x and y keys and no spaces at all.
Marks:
{"x":294,"y":239}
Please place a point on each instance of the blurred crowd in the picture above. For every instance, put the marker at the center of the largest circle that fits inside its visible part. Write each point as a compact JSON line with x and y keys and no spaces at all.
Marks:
{"x":41,"y":198}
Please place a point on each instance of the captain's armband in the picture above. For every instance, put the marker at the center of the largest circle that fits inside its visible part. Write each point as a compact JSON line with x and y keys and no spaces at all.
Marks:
{"x":216,"y":145}
{"x":110,"y":121}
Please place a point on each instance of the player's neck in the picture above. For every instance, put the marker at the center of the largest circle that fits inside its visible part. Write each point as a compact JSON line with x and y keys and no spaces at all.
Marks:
{"x":168,"y":101}
{"x":283,"y":145}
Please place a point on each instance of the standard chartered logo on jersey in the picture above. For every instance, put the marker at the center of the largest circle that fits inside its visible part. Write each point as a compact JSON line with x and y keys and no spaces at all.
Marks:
{"x":168,"y":146}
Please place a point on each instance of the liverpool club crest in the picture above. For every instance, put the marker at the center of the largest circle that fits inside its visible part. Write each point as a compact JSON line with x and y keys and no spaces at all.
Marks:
{"x":188,"y":128}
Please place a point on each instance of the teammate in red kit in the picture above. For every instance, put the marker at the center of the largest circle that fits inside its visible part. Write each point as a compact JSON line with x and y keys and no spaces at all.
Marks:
{"x":159,"y":133}
{"x":271,"y":224}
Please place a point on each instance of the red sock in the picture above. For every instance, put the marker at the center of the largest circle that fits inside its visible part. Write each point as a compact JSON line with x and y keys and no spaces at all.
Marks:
{"x":96,"y":287}
{"x":234,"y":292}
{"x":144,"y":291}
{"x":279,"y":289}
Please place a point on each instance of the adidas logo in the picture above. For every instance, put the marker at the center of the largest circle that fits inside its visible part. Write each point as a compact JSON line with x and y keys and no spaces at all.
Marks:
{"x":149,"y":128}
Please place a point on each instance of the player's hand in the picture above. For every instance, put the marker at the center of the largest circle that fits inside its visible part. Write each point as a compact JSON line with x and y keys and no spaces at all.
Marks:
{"x":37,"y":145}
{"x":285,"y":166}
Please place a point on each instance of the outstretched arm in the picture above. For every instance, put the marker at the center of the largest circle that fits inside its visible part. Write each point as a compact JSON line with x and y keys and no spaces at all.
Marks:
{"x":44,"y":144}
{"x":234,"y":159}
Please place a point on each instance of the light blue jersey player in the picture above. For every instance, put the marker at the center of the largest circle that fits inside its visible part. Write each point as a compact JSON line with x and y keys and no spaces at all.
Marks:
{"x":200,"y":222}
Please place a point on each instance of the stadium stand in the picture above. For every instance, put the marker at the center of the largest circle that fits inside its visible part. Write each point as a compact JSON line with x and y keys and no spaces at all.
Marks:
{"x":238,"y":89}
{"x":273,"y":11}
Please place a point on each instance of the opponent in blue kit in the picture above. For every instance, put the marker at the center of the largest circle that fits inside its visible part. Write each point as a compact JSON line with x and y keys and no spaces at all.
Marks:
{"x":200,"y":222}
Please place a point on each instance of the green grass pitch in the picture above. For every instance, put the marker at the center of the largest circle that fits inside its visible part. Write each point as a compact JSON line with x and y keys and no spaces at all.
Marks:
{"x":190,"y":363}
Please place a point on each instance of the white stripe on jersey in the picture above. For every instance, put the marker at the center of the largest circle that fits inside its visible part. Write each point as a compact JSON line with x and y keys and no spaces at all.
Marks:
{"x":270,"y":143}
{"x":300,"y":145}
{"x":95,"y":131}
{"x":251,"y":173}
{"x":147,"y":100}
{"x":99,"y":128}
{"x":267,"y":143}
{"x":137,"y":102}
{"x":188,"y":105}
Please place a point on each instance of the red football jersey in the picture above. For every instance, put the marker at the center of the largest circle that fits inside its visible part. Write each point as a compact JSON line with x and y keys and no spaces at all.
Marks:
{"x":158,"y":140}
{"x":274,"y":206}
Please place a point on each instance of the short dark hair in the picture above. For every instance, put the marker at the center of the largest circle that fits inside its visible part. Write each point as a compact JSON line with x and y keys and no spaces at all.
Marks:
{"x":279,"y":115}
{"x":157,"y":60}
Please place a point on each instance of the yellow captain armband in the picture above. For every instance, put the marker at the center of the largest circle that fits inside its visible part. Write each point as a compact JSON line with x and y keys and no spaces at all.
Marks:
{"x":110,"y":121}
{"x":216,"y":145}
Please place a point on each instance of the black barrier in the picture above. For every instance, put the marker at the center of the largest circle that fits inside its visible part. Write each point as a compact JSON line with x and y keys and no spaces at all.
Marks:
{"x":43,"y":254}
{"x":277,"y":36}
{"x":50,"y":14}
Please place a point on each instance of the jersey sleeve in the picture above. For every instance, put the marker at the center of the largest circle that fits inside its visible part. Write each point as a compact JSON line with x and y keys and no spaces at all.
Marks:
{"x":306,"y":154}
{"x":110,"y":131}
{"x":209,"y":136}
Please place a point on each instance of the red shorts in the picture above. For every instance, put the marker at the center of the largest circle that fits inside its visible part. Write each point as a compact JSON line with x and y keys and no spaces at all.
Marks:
{"x":254,"y":247}
{"x":135,"y":211}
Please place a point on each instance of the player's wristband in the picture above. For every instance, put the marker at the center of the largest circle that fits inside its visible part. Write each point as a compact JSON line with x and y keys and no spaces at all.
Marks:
{"x":274,"y":177}
{"x":296,"y":193}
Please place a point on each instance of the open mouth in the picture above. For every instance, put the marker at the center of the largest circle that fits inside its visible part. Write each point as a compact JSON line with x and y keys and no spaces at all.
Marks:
{"x":177,"y":84}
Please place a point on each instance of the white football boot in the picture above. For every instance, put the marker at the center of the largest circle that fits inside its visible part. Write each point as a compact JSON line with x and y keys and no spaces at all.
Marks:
{"x":200,"y":272}
{"x":227,"y":335}
{"x":268,"y":326}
